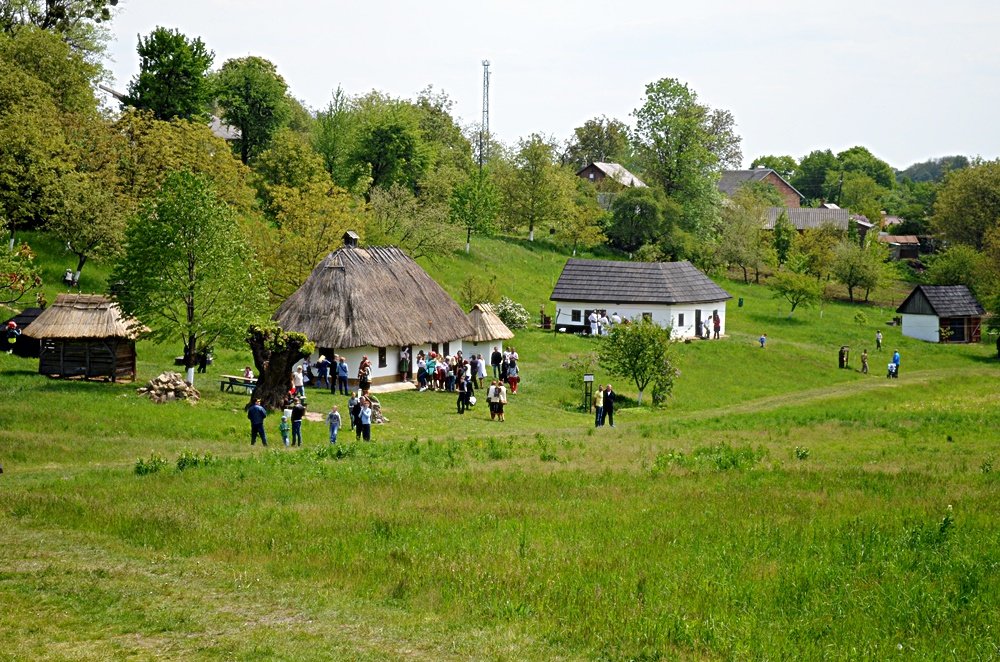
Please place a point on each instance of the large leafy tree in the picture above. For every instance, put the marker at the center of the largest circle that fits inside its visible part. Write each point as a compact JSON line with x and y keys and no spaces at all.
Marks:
{"x":797,"y":289}
{"x":474,"y":204}
{"x":187,"y":271}
{"x":599,"y":139}
{"x":682,"y":145}
{"x":860,"y":159}
{"x":784,"y":165}
{"x":582,"y":227}
{"x":253,"y":99}
{"x":275,"y":353}
{"x":80,"y":23}
{"x":398,"y":217}
{"x":743,"y":241}
{"x":533,"y":190}
{"x":810,"y":177}
{"x":968,"y":204}
{"x":637,"y":218}
{"x":640,"y":351}
{"x":389,"y":143}
{"x":858,"y":266}
{"x":783,"y":238}
{"x":173,"y":76}
{"x":333,"y":136}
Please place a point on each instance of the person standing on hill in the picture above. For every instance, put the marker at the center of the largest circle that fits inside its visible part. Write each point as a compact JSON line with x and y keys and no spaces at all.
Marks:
{"x":878,"y":341}
{"x":284,"y":427}
{"x":342,"y":372}
{"x":496,"y":358}
{"x":599,"y":406}
{"x":895,"y":359}
{"x":323,"y":371}
{"x":501,"y":400}
{"x":333,"y":422}
{"x":460,"y":385}
{"x":404,"y":364}
{"x":592,"y":318}
{"x":256,"y":413}
{"x":298,"y":412}
{"x":864,"y":362}
{"x":609,"y":405}
{"x":365,"y":417}
{"x":716,"y":324}
{"x":762,"y":340}
{"x":365,"y":375}
{"x":299,"y":382}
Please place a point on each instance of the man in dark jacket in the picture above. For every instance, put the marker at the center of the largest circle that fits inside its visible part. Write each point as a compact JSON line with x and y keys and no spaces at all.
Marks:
{"x":496,"y":358}
{"x":257,"y":414}
{"x":609,"y":405}
{"x":298,"y":411}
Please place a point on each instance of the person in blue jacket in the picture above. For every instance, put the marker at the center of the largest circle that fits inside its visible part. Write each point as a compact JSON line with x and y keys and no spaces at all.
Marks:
{"x":256,"y":413}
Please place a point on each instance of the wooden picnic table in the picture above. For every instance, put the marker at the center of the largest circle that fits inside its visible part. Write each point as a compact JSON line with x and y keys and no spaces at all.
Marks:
{"x":230,"y":382}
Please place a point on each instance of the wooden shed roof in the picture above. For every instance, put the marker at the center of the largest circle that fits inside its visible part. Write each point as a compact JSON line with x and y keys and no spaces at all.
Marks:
{"x":83,"y":316}
{"x":608,"y":281}
{"x":805,"y":218}
{"x":942,"y":300}
{"x":378,"y":297}
{"x":487,"y":324}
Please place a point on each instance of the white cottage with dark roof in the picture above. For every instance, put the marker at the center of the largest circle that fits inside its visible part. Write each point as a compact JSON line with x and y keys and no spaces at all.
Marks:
{"x":669,"y":293}
{"x":942,"y":313}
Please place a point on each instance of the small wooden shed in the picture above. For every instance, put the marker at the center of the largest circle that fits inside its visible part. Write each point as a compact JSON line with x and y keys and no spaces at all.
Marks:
{"x":85,"y":335}
{"x":942,"y":313}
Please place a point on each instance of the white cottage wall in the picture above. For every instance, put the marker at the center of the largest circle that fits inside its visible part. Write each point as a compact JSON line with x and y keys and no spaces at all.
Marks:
{"x":922,"y":327}
{"x":680,"y":317}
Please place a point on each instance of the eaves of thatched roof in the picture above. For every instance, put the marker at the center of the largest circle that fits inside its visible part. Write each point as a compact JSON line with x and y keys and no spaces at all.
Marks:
{"x":378,"y":297}
{"x":83,"y":317}
{"x":487,"y":324}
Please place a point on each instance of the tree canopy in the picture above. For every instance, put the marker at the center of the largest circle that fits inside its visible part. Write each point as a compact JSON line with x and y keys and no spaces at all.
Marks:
{"x":968,"y":204}
{"x":642,"y":352}
{"x":173,"y":76}
{"x":253,"y":99}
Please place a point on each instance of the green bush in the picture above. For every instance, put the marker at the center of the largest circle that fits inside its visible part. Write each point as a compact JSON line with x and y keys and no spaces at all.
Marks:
{"x":150,"y":466}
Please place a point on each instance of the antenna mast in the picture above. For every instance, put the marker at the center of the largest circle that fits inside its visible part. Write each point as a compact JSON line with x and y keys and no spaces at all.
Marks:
{"x":484,"y":129}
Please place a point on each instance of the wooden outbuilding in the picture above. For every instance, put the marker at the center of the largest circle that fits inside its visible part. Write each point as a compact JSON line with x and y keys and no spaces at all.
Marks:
{"x":942,"y":313}
{"x":374,"y":302}
{"x":85,"y":335}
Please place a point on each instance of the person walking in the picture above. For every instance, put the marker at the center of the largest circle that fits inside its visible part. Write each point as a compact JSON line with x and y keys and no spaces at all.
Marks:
{"x":342,"y":372}
{"x":299,"y":382}
{"x":333,"y":422}
{"x":609,"y":405}
{"x":461,"y":387}
{"x":599,"y":406}
{"x":298,"y":412}
{"x":283,"y":427}
{"x":323,"y":371}
{"x":365,"y":417}
{"x":878,"y":340}
{"x":895,"y":360}
{"x":491,"y":399}
{"x":864,"y":362}
{"x":762,"y":340}
{"x":13,"y":333}
{"x":513,"y":376}
{"x":501,"y":400}
{"x":256,"y":413}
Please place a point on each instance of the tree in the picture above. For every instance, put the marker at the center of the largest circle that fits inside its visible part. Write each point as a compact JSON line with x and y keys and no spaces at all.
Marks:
{"x":968,"y":204}
{"x":532,"y":191}
{"x":188,"y":272}
{"x":582,"y":227}
{"x":600,"y":139}
{"x":815,"y":248}
{"x":860,"y":160}
{"x":18,"y":273}
{"x":397,"y":217}
{"x":933,"y":170}
{"x":810,"y":177}
{"x":61,"y":74}
{"x":474,"y":204}
{"x":683,"y":145}
{"x":173,"y":76}
{"x":797,"y":289}
{"x":636,"y":219}
{"x":289,"y":162}
{"x":857,"y":266}
{"x":743,"y":241}
{"x":388,"y":144}
{"x":783,"y":238}
{"x":958,"y":265}
{"x":275,"y":352}
{"x":640,"y":351}
{"x":783,"y":165}
{"x":77,"y":22}
{"x":333,"y":136}
{"x":252,"y":96}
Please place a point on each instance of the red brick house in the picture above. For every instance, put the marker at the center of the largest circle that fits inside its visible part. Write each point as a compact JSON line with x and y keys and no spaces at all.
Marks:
{"x":732,"y":180}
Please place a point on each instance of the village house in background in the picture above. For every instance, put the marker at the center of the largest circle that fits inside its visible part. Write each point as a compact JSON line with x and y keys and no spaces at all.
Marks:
{"x":490,"y":331}
{"x":85,"y":335}
{"x":374,"y":301}
{"x":942,"y":313}
{"x":610,"y":179}
{"x":732,"y":180}
{"x":674,"y":294}
{"x":901,"y":246}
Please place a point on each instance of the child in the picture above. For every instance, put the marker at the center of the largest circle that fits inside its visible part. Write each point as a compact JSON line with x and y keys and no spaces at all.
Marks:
{"x":333,"y":420}
{"x":763,"y":340}
{"x":284,"y":427}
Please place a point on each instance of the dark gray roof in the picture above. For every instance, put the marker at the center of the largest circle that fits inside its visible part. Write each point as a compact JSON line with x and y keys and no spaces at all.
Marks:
{"x":944,"y":300}
{"x":804,"y":218}
{"x":635,"y":282}
{"x":732,"y":180}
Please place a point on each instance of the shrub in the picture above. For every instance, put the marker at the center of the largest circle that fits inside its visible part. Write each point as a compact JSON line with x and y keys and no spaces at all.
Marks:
{"x":150,"y":466}
{"x":513,"y":314}
{"x":188,"y":459}
{"x":801,"y":453}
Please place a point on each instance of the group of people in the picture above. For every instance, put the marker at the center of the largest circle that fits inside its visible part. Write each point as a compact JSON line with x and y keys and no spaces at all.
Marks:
{"x":466,"y":375}
{"x":600,"y":323}
{"x":604,"y":406}
{"x":892,"y":369}
{"x":716,"y":327}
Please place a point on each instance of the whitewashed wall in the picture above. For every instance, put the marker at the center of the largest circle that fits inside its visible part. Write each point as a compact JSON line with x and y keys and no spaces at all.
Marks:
{"x":662,"y":315}
{"x":922,"y":327}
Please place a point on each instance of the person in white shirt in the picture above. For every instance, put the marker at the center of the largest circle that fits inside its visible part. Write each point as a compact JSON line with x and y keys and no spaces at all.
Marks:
{"x":605,"y":324}
{"x":593,"y":319}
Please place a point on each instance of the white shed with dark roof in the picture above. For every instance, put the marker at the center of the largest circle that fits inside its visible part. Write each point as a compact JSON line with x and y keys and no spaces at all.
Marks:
{"x":942,"y":313}
{"x":674,"y":294}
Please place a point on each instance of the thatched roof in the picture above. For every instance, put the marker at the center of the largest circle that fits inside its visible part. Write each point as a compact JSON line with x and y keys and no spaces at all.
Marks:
{"x":83,"y":316}
{"x":488,"y":324}
{"x":377,"y":297}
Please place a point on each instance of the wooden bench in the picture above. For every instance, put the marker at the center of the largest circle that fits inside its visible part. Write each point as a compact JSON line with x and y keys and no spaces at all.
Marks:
{"x":231,"y":382}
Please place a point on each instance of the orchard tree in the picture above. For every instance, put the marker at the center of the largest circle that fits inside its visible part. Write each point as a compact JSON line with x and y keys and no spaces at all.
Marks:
{"x":783,"y":238}
{"x":683,"y":145}
{"x":253,"y":99}
{"x":187,"y":271}
{"x":388,"y":144}
{"x":641,"y":351}
{"x":743,"y":241}
{"x":797,"y":289}
{"x":173,"y":76}
{"x":582,"y":227}
{"x":18,"y":273}
{"x":968,"y":204}
{"x":959,"y":265}
{"x":856,"y":266}
{"x":80,"y":23}
{"x":474,"y":204}
{"x":636,"y":219}
{"x":398,"y":217}
{"x":533,"y":192}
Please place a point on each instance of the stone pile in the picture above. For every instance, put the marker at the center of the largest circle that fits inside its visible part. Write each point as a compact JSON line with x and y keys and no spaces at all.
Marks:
{"x":169,"y":386}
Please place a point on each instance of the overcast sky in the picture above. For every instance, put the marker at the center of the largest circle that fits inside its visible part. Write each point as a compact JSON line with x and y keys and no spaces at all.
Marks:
{"x":909,"y":80}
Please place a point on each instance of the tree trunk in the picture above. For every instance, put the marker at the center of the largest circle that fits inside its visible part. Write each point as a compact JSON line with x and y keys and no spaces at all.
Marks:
{"x":80,"y":261}
{"x":638,"y":400}
{"x":468,"y":240}
{"x":746,"y":278}
{"x":274,"y":353}
{"x":850,"y":292}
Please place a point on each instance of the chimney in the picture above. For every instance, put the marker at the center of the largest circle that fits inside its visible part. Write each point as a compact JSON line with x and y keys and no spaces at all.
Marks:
{"x":351,"y":239}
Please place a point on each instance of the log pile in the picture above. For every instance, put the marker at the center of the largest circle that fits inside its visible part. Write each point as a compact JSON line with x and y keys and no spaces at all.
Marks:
{"x":169,"y":386}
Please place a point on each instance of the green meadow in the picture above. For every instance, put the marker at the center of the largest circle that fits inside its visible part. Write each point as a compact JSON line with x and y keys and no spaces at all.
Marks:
{"x":777,"y":508}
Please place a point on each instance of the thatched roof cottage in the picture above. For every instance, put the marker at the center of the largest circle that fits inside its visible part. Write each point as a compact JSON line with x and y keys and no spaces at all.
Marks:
{"x":490,"y":330}
{"x":374,"y":301}
{"x":85,"y":335}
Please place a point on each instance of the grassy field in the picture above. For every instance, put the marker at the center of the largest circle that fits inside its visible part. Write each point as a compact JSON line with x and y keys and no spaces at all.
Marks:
{"x":777,"y":508}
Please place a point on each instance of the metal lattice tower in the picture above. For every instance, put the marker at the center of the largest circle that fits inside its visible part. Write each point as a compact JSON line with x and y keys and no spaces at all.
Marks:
{"x":484,"y":129}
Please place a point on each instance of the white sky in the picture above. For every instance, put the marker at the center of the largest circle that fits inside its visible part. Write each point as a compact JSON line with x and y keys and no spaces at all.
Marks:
{"x":910,"y":80}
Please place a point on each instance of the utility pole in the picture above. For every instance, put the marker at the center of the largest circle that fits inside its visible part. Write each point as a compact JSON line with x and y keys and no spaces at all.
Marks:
{"x":484,"y":129}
